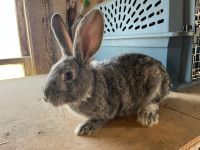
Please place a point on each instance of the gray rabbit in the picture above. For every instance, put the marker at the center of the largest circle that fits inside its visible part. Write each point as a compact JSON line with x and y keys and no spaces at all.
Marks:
{"x":123,"y":85}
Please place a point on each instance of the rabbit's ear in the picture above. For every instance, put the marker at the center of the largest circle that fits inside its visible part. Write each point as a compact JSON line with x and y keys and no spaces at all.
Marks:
{"x":89,"y":35}
{"x":62,"y":35}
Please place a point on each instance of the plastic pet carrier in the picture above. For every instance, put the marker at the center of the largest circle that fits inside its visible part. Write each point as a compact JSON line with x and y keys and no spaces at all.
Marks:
{"x":163,"y":29}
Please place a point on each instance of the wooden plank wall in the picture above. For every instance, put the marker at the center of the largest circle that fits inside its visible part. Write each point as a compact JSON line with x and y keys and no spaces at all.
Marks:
{"x":25,"y":61}
{"x":39,"y":34}
{"x":22,"y":28}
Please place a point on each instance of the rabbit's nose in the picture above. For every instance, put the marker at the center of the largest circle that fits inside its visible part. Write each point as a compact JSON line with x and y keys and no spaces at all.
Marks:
{"x":46,"y":98}
{"x":45,"y":95}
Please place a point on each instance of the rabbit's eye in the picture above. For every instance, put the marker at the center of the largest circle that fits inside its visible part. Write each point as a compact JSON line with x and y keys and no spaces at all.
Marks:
{"x":68,"y":75}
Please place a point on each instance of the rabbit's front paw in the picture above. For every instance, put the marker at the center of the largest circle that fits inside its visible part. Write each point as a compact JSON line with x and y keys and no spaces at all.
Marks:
{"x":147,"y":115}
{"x":89,"y":126}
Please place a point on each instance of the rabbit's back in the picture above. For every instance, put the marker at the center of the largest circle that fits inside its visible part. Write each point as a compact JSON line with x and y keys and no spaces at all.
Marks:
{"x":134,"y":80}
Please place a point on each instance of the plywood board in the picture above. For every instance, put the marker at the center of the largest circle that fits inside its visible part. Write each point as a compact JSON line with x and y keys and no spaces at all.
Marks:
{"x":29,"y":123}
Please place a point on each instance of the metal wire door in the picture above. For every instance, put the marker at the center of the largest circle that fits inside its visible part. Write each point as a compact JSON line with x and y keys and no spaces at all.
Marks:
{"x":196,"y":48}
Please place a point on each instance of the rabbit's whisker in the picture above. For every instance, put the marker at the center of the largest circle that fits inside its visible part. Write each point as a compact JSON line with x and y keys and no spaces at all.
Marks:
{"x":63,"y":112}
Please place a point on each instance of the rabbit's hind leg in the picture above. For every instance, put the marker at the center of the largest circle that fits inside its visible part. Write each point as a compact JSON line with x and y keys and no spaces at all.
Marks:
{"x":147,"y":115}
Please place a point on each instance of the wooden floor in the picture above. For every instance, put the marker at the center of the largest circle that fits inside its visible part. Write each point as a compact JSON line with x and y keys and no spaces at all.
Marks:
{"x":27,"y":123}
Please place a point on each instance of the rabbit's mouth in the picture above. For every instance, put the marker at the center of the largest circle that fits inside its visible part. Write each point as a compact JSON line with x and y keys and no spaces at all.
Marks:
{"x":56,"y":104}
{"x":54,"y":101}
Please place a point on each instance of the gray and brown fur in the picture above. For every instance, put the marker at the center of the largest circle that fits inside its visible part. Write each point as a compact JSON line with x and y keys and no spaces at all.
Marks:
{"x":101,"y":91}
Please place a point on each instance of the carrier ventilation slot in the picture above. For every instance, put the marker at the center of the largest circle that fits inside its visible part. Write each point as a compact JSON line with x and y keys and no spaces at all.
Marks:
{"x":125,"y":15}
